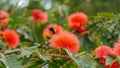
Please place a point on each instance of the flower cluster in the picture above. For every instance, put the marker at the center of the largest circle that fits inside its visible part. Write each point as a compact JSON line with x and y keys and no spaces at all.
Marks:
{"x":3,"y":18}
{"x":39,"y":16}
{"x":103,"y":51}
{"x":11,"y":38}
{"x":61,"y":38}
{"x":65,"y":40}
{"x":117,"y":48}
{"x":77,"y":21}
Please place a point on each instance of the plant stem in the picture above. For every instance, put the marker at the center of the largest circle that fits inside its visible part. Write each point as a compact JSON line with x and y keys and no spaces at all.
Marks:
{"x":58,"y":56}
{"x":51,"y":55}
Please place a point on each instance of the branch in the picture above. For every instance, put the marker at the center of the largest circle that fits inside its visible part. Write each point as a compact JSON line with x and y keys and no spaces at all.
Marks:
{"x":20,"y":50}
{"x":12,"y":51}
{"x":16,"y":50}
{"x":58,"y":56}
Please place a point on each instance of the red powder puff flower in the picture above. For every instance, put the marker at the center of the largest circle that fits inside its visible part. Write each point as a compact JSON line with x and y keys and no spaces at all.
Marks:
{"x":3,"y":18}
{"x":11,"y":38}
{"x":117,"y":47}
{"x":4,"y":22}
{"x":51,"y":29}
{"x":83,"y":33}
{"x":77,"y":19}
{"x":0,"y":26}
{"x":115,"y":64}
{"x":65,"y":40}
{"x":39,"y":16}
{"x":104,"y":51}
{"x":82,"y":30}
{"x":3,"y":15}
{"x":103,"y":61}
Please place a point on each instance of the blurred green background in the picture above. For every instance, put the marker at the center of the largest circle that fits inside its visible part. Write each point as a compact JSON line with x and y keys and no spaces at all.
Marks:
{"x":91,"y":7}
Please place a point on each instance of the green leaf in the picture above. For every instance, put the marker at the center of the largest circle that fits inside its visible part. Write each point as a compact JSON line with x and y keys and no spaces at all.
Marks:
{"x":26,"y":52}
{"x":118,"y":58}
{"x":45,"y":58}
{"x":11,"y":61}
{"x":2,"y":66}
{"x":3,"y":59}
{"x":109,"y":60}
{"x":83,"y":61}
{"x":70,"y":64}
{"x":62,"y":62}
{"x":29,"y":50}
{"x":53,"y":65}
